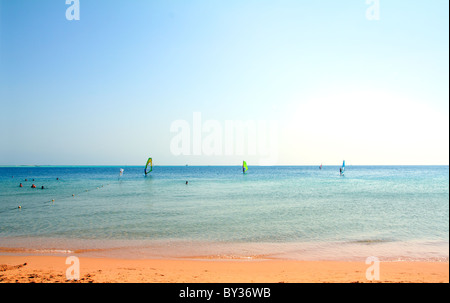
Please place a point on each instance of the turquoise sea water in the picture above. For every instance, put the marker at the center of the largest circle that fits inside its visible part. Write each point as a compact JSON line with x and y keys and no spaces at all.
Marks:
{"x":298,"y":212}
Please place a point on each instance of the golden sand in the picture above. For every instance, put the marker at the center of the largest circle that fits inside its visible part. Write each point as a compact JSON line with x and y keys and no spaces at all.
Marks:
{"x":52,"y":269}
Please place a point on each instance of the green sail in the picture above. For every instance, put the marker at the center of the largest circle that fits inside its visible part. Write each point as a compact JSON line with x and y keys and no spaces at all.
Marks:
{"x":244,"y":167}
{"x":148,"y":166}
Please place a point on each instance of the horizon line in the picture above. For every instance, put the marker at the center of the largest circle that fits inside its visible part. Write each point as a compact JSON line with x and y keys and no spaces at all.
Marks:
{"x":203,"y":165}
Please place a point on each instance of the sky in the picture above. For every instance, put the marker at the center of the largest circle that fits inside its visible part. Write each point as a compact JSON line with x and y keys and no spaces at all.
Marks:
{"x":216,"y":82}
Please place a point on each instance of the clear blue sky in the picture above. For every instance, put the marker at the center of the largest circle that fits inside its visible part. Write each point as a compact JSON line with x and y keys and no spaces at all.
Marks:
{"x":106,"y":89}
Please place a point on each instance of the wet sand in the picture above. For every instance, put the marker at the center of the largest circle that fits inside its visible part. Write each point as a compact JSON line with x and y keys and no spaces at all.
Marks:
{"x":52,"y":269}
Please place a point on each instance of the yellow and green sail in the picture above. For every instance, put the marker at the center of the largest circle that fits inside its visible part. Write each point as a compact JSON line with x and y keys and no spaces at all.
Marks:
{"x":148,"y":166}
{"x":244,"y":167}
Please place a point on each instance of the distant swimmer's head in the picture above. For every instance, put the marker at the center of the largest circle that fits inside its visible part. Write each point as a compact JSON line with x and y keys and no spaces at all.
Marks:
{"x":42,"y":187}
{"x":21,"y":185}
{"x":33,"y":186}
{"x":186,"y":182}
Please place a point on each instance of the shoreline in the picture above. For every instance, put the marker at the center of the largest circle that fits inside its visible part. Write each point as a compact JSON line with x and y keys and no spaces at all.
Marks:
{"x":355,"y":251}
{"x":52,"y":269}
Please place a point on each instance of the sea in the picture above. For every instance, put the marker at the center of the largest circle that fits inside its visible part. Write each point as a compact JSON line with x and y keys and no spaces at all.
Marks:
{"x":393,"y":213}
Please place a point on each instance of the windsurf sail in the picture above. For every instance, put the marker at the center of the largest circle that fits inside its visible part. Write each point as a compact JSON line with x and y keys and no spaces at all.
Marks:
{"x":244,"y":167}
{"x":121,"y":172}
{"x":148,"y":166}
{"x":342,"y":168}
{"x":320,"y":167}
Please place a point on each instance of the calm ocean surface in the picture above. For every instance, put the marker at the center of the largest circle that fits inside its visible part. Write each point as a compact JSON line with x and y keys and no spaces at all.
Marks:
{"x":298,"y":212}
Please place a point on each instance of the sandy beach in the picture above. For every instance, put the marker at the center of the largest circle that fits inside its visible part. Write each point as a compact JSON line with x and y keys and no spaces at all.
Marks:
{"x":52,"y":269}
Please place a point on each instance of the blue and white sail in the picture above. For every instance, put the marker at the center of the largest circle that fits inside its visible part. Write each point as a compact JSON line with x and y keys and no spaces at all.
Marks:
{"x":342,"y":169}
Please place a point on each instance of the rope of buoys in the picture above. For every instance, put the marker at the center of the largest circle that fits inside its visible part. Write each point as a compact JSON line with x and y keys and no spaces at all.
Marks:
{"x":79,"y":193}
{"x":73,"y":196}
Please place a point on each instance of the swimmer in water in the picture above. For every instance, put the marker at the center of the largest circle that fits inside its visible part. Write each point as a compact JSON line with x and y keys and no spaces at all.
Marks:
{"x":33,"y":186}
{"x":21,"y":185}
